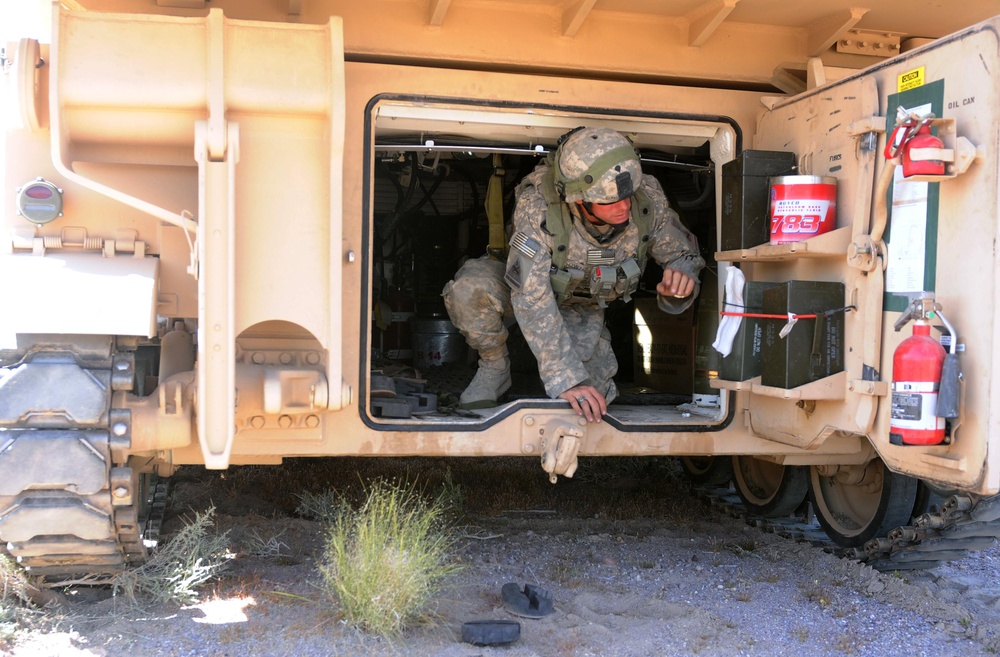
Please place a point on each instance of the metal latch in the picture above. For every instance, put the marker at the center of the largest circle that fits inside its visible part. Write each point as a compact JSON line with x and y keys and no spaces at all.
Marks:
{"x":559,"y":452}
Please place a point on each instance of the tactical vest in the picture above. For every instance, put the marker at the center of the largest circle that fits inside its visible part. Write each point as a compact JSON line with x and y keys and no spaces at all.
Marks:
{"x":559,"y":223}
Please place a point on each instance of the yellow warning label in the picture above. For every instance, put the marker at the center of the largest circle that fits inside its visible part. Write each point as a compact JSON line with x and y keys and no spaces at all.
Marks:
{"x":911,"y":79}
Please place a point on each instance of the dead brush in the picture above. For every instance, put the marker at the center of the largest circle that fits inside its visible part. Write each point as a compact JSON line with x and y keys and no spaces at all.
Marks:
{"x":384,"y":562}
{"x":14,"y":596}
{"x":176,"y":570}
{"x":13,"y":585}
{"x":253,"y":544}
{"x":321,"y":507}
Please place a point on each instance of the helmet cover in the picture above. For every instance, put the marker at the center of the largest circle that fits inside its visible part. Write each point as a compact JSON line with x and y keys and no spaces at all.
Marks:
{"x":597,"y":165}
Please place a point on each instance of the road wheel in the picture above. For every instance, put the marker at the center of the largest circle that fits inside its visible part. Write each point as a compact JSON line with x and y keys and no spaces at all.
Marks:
{"x":708,"y":470}
{"x":929,"y":500}
{"x":855,"y":504}
{"x":769,"y":489}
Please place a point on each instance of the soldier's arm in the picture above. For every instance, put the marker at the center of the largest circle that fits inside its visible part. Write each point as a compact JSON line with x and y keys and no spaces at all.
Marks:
{"x":675,"y":249}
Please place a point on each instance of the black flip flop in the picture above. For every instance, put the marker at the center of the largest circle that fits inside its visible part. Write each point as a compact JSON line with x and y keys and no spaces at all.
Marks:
{"x":491,"y":632}
{"x":531,"y":602}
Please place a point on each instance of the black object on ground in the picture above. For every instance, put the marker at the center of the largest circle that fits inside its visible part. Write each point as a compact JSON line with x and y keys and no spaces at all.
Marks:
{"x":491,"y":632}
{"x":531,"y":602}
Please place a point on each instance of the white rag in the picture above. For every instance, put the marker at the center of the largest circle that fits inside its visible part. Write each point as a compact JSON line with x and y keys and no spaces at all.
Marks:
{"x":735,"y":282}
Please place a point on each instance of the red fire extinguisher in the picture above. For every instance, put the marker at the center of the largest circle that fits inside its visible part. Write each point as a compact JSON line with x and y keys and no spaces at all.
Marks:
{"x":916,"y":381}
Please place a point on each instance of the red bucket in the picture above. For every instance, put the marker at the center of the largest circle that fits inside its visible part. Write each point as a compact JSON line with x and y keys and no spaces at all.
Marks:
{"x":802,"y":207}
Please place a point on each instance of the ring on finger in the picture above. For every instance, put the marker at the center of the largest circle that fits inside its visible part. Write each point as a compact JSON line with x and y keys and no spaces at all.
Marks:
{"x":580,"y":400}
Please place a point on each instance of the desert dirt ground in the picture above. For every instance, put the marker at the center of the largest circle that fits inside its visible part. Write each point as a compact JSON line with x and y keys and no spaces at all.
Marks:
{"x":636,"y":562}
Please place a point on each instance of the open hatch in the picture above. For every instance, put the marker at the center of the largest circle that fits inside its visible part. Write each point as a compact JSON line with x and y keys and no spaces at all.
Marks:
{"x":429,"y":170}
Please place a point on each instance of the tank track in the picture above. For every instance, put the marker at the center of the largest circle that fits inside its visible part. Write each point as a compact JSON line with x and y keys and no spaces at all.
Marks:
{"x":965,"y":523}
{"x":73,"y":507}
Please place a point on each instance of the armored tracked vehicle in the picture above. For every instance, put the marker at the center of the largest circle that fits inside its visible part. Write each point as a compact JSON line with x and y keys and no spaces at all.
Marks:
{"x":226,"y":226}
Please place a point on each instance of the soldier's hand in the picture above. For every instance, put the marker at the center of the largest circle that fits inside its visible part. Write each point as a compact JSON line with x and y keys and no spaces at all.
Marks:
{"x":675,"y":284}
{"x":586,"y":401}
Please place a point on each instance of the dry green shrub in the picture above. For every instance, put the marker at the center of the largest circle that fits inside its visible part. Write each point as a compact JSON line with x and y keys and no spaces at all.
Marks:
{"x":384,"y":562}
{"x":177,"y":569}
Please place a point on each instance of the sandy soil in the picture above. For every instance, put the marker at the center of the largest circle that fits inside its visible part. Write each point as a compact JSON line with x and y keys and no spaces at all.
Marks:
{"x":637,"y":566}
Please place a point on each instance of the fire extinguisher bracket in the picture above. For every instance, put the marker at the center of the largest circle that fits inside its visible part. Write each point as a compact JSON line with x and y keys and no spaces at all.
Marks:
{"x":959,"y":159}
{"x":872,"y":388}
{"x":957,"y":152}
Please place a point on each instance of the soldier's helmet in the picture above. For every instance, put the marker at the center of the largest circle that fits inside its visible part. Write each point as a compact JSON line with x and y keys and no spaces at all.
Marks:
{"x":596,"y":165}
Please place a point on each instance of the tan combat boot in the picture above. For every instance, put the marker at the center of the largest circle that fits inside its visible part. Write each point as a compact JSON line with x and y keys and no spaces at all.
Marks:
{"x":491,"y":380}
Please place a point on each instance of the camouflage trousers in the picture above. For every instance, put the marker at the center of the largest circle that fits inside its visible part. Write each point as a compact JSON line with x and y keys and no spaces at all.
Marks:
{"x":478,"y":302}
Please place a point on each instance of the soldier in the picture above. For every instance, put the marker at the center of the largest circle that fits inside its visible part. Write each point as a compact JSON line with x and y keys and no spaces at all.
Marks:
{"x":585,"y":221}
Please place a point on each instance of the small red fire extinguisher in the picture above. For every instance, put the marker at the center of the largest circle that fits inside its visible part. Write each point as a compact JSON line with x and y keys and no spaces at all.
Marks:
{"x":916,"y":381}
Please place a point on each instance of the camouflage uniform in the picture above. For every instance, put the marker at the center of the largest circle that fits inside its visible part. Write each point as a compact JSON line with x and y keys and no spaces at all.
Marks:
{"x":569,"y":339}
{"x":557,"y":302}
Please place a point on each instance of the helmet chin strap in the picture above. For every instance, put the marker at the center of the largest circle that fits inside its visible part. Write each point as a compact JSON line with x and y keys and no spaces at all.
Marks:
{"x":590,"y":216}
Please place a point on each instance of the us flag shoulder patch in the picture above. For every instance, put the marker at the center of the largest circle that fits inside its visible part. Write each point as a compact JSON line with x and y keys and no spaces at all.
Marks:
{"x":525,"y":244}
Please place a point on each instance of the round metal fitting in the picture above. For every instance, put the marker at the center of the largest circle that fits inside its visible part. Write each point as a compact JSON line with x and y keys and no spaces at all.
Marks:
{"x":39,"y":201}
{"x":863,"y":253}
{"x":826,"y":470}
{"x":285,"y":421}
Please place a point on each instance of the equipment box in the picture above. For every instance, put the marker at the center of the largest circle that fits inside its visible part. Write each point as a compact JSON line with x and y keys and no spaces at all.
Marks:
{"x":743,"y":362}
{"x":745,"y":198}
{"x":814,"y":348}
{"x":663,"y":352}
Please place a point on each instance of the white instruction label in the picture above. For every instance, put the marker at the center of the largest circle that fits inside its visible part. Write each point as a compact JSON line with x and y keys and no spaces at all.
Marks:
{"x":908,"y":231}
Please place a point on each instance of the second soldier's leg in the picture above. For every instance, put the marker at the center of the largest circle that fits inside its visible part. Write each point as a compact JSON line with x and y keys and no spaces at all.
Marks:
{"x":477,"y":301}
